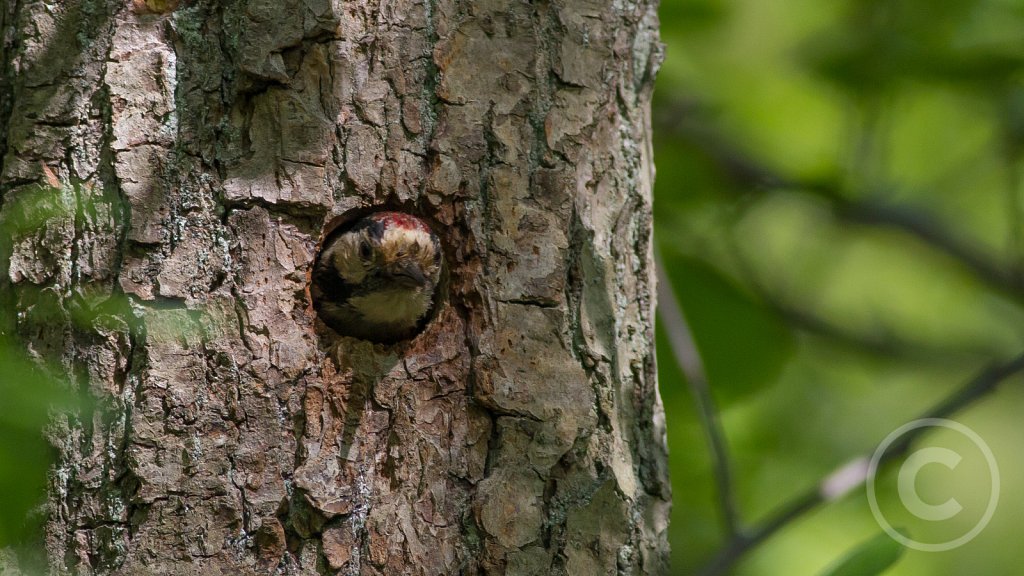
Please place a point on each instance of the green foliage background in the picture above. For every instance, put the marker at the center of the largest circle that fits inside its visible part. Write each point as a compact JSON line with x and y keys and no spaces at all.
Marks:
{"x":839,"y":206}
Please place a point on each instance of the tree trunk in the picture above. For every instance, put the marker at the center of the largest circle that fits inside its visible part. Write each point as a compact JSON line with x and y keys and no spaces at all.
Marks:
{"x":198,"y":151}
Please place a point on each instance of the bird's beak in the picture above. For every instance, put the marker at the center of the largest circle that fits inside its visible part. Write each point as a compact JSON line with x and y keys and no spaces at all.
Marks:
{"x":406,"y":273}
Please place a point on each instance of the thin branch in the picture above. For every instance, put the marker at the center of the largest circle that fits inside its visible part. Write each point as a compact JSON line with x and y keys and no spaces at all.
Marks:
{"x":799,"y":318}
{"x":688,"y":358}
{"x":915,"y":222}
{"x":750,"y":175}
{"x":879,"y":344}
{"x":854,"y":474}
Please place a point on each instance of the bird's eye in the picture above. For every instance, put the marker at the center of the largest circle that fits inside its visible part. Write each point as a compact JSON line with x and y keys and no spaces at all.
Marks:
{"x":365,"y":250}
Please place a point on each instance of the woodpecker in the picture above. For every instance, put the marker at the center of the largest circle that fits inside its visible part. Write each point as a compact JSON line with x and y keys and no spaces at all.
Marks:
{"x":376,"y":280}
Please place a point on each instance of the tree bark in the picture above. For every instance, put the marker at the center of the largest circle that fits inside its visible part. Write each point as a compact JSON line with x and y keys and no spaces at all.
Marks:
{"x":199,"y":151}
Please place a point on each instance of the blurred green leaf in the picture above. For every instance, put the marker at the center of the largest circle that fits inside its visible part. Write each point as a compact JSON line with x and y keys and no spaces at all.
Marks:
{"x":879,"y":44}
{"x":694,"y":13}
{"x":742,"y":343}
{"x":27,"y":397}
{"x":871,"y":558}
{"x":872,"y":62}
{"x":30,"y":209}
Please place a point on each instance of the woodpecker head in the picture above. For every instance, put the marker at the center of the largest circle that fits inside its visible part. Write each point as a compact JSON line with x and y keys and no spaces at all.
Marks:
{"x":376,"y":280}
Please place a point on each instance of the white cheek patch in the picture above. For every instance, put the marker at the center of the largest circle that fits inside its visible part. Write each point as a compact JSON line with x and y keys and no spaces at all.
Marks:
{"x":401,"y":307}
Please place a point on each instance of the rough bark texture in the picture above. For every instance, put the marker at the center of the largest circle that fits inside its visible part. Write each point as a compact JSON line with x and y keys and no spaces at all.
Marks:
{"x":202,"y":148}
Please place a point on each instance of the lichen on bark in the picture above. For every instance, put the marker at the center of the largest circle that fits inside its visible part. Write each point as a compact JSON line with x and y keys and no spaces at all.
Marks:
{"x":203,"y":148}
